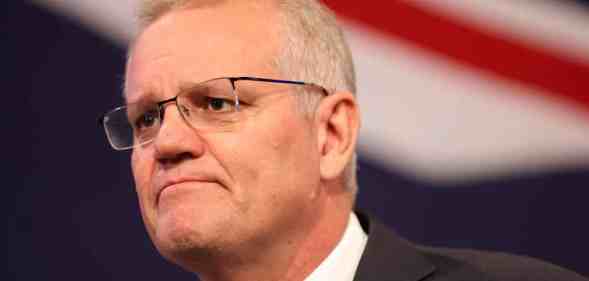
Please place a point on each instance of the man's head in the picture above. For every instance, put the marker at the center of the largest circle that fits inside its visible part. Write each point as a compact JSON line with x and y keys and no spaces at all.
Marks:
{"x":278,"y":176}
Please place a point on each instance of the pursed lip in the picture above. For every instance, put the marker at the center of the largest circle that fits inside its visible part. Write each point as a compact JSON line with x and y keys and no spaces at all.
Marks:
{"x":173,"y":181}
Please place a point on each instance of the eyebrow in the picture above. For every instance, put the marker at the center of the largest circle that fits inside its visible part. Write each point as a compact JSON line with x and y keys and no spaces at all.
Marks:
{"x":149,"y":96}
{"x":146,"y":97}
{"x":187,"y":86}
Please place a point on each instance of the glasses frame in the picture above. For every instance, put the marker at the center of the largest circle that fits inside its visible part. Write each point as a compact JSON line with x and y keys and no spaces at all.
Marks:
{"x":160,"y":105}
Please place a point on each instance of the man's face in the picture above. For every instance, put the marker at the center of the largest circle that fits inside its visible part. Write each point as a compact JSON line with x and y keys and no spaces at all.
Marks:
{"x":238,"y":189}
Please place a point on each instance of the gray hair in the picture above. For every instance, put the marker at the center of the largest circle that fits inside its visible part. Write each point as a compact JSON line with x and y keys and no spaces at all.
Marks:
{"x":314,"y":50}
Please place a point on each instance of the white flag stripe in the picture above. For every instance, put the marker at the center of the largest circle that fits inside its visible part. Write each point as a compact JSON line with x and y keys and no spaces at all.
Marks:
{"x":440,"y":121}
{"x":559,"y":26}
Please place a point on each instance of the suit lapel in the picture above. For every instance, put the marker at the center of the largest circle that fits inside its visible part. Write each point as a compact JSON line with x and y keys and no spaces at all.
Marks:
{"x":388,"y":257}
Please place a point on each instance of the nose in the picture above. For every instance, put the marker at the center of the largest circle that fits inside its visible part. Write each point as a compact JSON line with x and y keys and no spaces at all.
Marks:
{"x":176,"y":141}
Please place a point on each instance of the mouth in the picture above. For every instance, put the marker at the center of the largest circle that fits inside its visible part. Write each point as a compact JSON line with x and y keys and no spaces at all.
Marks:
{"x":174,"y":183}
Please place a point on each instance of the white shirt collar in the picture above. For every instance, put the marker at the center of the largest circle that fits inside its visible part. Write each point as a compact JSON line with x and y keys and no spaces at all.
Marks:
{"x":342,"y":262}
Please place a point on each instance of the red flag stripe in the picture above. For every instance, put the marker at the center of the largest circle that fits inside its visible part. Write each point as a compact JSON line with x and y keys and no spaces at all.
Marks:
{"x":563,"y":77}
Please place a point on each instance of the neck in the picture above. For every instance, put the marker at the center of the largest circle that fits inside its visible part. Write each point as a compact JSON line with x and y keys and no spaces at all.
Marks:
{"x":294,"y":258}
{"x":321,"y":240}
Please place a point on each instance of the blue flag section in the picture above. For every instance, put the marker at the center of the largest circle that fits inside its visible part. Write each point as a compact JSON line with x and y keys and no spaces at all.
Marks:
{"x":71,"y":212}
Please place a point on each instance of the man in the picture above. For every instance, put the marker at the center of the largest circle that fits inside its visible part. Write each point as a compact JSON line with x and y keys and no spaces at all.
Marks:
{"x":243,"y":124}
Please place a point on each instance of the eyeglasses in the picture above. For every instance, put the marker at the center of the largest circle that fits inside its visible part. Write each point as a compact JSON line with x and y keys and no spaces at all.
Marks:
{"x":212,"y":105}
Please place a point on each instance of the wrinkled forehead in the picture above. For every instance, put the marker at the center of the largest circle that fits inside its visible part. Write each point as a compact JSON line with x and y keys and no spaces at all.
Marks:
{"x":197,"y":44}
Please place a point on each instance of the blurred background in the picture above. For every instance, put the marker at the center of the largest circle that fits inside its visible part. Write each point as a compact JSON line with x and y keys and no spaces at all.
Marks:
{"x":475,"y":133}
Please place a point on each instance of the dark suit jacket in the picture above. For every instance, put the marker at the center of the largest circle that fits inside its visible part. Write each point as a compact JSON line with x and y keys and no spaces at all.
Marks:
{"x":387,"y":257}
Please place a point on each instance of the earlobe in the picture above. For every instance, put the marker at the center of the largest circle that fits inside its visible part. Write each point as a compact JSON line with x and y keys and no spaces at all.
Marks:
{"x":338,"y":122}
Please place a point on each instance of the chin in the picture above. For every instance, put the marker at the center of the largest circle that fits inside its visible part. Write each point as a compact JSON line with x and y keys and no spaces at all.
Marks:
{"x":193,"y":249}
{"x":181,"y":237}
{"x":192,"y":224}
{"x":180,"y":244}
{"x":177,"y":232}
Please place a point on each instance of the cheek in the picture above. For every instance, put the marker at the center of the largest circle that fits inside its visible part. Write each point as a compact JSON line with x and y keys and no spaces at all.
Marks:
{"x":142,"y":168}
{"x":287,"y":174}
{"x":290,"y":143}
{"x":279,"y":151}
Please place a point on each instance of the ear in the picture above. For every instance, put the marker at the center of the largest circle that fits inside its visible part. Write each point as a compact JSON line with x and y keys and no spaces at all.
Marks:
{"x":338,"y":123}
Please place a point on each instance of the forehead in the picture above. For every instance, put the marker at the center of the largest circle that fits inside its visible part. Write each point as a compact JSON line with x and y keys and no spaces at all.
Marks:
{"x":196,"y":44}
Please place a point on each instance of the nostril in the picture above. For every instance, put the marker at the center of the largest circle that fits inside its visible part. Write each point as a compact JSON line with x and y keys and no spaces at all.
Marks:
{"x":175,"y":159}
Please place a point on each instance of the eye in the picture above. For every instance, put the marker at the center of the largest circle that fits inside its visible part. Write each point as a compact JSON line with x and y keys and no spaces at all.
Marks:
{"x":218,"y":104}
{"x":146,"y":120}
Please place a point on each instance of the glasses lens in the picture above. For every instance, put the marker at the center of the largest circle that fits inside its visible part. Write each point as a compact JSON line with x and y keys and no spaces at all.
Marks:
{"x":131,"y":125}
{"x":211,"y":105}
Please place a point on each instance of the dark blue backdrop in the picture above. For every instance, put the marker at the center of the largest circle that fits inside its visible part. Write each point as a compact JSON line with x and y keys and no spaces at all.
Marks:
{"x":71,"y":210}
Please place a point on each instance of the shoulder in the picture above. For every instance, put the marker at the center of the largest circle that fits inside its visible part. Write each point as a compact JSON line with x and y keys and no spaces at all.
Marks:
{"x":496,"y":266}
{"x":387,"y":254}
